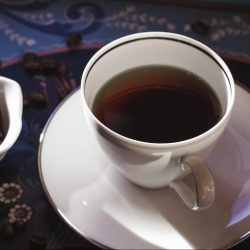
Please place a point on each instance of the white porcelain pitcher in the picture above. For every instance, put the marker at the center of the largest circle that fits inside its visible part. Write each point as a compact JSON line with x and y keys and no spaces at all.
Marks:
{"x":11,"y":107}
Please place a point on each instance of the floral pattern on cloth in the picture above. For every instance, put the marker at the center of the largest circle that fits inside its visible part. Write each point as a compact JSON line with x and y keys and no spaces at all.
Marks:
{"x":27,"y":220}
{"x":41,"y":26}
{"x":10,"y":192}
{"x":20,"y":212}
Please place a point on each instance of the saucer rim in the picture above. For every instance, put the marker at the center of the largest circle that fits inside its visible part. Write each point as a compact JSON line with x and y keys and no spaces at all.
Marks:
{"x":41,"y":139}
{"x":66,"y":220}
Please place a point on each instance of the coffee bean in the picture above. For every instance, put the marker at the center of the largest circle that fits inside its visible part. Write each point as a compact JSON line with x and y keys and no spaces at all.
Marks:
{"x":37,"y":241}
{"x":26,"y":101}
{"x":49,"y":66}
{"x":31,"y":63}
{"x":74,"y":40}
{"x":19,"y":226}
{"x":37,"y":100}
{"x":32,"y":67}
{"x":62,"y":68}
{"x":62,"y":92}
{"x":7,"y":230}
{"x":199,"y":27}
{"x":37,"y":97}
{"x":30,"y":57}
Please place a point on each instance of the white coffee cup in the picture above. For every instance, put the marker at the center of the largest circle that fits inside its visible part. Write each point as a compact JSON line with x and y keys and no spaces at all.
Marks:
{"x":11,"y":108}
{"x":156,"y":165}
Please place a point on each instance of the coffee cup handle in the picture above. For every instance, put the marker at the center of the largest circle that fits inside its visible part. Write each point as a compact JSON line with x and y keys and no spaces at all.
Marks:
{"x":203,"y":195}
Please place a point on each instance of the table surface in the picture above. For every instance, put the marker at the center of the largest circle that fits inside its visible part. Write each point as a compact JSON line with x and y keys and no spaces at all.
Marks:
{"x":68,"y":33}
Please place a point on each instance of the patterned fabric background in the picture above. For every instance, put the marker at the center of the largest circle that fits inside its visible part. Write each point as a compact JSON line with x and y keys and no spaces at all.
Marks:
{"x":41,"y":26}
{"x":63,"y":35}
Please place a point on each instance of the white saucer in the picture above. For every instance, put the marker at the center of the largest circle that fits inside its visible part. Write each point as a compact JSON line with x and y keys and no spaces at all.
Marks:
{"x":110,"y":211}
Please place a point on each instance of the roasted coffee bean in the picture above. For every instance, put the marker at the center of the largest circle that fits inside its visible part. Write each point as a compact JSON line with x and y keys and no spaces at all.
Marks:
{"x":37,"y":97}
{"x":31,"y":63}
{"x":49,"y":66}
{"x":200,"y":27}
{"x":62,"y":92}
{"x":37,"y":100}
{"x":32,"y":67}
{"x":19,"y":226}
{"x":74,"y":41}
{"x":7,"y":230}
{"x":30,"y":57}
{"x":62,"y":68}
{"x":26,"y":101}
{"x":38,"y":241}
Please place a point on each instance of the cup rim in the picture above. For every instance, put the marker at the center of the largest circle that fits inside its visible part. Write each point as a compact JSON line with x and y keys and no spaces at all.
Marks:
{"x":169,"y":36}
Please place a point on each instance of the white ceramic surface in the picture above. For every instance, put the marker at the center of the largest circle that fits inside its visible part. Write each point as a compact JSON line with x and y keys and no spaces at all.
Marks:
{"x":103,"y":206}
{"x":156,"y":165}
{"x":11,"y":108}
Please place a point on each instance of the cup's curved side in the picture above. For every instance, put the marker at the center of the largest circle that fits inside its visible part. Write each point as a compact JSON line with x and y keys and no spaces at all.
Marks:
{"x":155,"y":165}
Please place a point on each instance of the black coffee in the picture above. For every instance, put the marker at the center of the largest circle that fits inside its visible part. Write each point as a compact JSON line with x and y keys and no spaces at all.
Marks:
{"x":157,"y":104}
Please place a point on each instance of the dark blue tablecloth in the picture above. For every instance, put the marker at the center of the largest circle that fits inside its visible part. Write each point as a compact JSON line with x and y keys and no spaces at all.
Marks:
{"x":67,"y":34}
